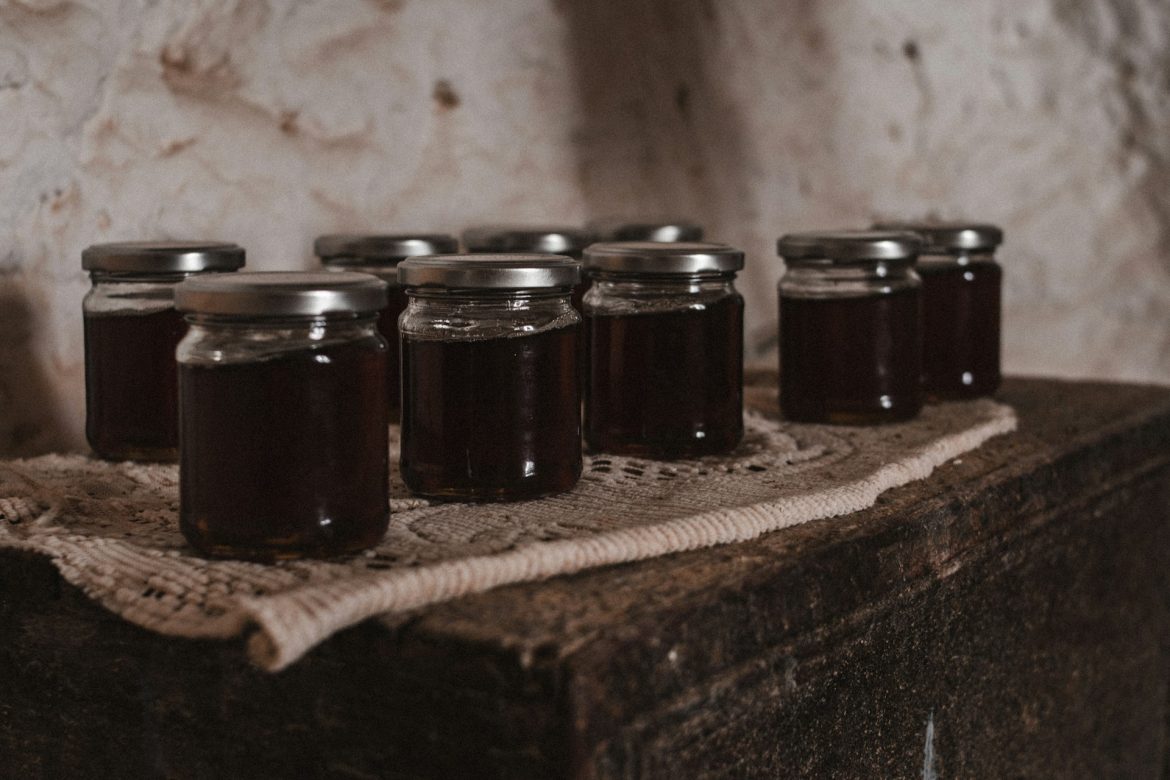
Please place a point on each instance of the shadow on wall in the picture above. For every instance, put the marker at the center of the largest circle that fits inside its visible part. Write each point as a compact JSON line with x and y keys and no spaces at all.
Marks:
{"x":669,"y":92}
{"x":660,"y":133}
{"x":29,"y":419}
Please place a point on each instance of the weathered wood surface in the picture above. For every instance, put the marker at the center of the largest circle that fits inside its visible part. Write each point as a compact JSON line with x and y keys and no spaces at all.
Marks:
{"x":1007,"y":617}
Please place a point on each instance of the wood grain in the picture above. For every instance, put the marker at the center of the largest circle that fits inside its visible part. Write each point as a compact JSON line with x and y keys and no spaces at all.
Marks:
{"x":1015,"y":601}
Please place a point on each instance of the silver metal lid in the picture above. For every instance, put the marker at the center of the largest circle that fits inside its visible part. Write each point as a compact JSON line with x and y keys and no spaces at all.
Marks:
{"x":490,"y":271}
{"x":663,"y":230}
{"x":163,"y":257}
{"x":652,"y":257}
{"x":849,"y":246}
{"x":945,"y":237}
{"x":372,"y":249}
{"x":281,"y":294}
{"x":520,"y":238}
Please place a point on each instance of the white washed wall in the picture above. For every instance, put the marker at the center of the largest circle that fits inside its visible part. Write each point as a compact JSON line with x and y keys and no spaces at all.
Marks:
{"x":267,"y":123}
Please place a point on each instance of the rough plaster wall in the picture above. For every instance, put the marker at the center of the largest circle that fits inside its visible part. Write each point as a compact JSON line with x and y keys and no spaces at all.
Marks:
{"x":269,"y":122}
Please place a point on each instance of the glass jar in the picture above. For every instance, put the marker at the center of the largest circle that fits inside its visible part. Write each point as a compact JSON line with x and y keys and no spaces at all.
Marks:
{"x":131,"y":331}
{"x":662,"y":230}
{"x":490,"y":401}
{"x":665,"y":330}
{"x":379,"y":255}
{"x":284,"y":441}
{"x":569,"y":241}
{"x":961,"y":288}
{"x":850,"y":327}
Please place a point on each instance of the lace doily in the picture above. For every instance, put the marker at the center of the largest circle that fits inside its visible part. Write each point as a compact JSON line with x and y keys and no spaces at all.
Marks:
{"x":111,"y":528}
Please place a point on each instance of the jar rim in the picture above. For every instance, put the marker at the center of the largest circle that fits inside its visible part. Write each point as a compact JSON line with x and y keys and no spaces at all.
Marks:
{"x":549,"y":239}
{"x":661,"y":230}
{"x":164,"y":257}
{"x":657,"y":258}
{"x":515,"y":271}
{"x":849,"y":246}
{"x":946,"y":237}
{"x":360,"y":249}
{"x":281,"y":294}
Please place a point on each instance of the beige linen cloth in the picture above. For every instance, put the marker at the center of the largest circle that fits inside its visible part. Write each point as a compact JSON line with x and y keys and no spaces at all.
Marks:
{"x":111,"y":528}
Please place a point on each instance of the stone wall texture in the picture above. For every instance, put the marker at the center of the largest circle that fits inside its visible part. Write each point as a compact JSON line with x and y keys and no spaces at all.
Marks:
{"x":267,"y":122}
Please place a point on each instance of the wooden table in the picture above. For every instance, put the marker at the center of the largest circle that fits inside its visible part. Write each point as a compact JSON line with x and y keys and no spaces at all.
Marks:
{"x":1007,"y":617}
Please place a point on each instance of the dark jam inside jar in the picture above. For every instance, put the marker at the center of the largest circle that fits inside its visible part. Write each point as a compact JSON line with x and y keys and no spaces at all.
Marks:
{"x":286,"y":457}
{"x":961,"y":328}
{"x":855,"y":360}
{"x":578,"y":296}
{"x":667,"y":384}
{"x":493,"y":419}
{"x":388,"y":327}
{"x":131,"y":394}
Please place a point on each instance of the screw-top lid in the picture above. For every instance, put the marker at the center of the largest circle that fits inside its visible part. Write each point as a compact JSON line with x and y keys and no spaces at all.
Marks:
{"x":849,"y":246}
{"x":519,"y":238}
{"x":371,"y":249}
{"x":281,"y":294}
{"x":651,"y":257}
{"x":490,"y":271}
{"x":944,"y":237}
{"x":664,"y":230}
{"x":163,"y":257}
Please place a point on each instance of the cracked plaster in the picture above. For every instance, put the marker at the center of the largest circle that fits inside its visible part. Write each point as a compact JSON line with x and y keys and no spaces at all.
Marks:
{"x":269,"y":122}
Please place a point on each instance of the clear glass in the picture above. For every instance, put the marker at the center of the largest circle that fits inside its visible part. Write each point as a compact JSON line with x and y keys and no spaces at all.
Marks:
{"x":490,"y":400}
{"x":284,"y":438}
{"x":850,"y":342}
{"x":131,"y":396}
{"x":960,"y":324}
{"x":666,"y":364}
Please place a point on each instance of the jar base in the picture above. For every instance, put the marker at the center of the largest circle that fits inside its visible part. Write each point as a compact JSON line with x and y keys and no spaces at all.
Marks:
{"x":141,"y":454}
{"x":856,"y":417}
{"x":684,"y":449}
{"x":284,"y":549}
{"x":493,"y":495}
{"x":500,"y":497}
{"x":960,"y":392}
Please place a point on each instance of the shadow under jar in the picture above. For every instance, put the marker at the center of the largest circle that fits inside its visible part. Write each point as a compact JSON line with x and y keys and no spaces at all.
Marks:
{"x":284,"y":441}
{"x":379,"y":255}
{"x":665,"y":329}
{"x":490,"y":404}
{"x":850,"y":327}
{"x":131,"y":332}
{"x":961,"y":288}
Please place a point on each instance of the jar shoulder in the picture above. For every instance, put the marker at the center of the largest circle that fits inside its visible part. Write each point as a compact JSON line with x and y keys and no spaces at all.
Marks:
{"x":464,"y":320}
{"x":846,"y":282}
{"x":641,"y":298}
{"x":243,"y":343}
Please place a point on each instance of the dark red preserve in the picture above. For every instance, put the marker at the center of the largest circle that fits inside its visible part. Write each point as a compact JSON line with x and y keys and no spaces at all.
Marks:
{"x":850,"y":327}
{"x":665,"y":331}
{"x":490,"y":405}
{"x":284,"y":442}
{"x":961,"y":288}
{"x":379,"y":255}
{"x":131,"y":332}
